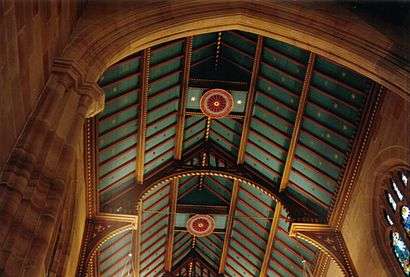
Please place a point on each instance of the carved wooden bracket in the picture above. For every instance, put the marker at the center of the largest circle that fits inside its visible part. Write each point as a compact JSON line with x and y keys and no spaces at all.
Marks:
{"x":99,"y":230}
{"x":327,"y":239}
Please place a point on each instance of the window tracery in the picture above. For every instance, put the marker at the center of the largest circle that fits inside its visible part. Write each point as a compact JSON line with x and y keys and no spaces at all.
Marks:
{"x":397,"y":218}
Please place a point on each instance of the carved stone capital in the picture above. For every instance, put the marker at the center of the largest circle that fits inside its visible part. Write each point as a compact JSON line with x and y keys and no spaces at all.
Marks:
{"x":71,"y":76}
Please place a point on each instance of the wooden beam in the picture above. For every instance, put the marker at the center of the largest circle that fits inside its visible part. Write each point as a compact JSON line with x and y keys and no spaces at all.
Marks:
{"x":142,"y":117}
{"x":137,"y":240}
{"x":201,"y":209}
{"x":182,"y":102}
{"x":228,"y":85}
{"x":116,"y":218}
{"x":298,"y":122}
{"x":229,"y":224}
{"x":201,"y":114}
{"x":184,"y":230}
{"x":272,"y":234}
{"x":250,"y":100}
{"x":171,"y":224}
{"x":329,"y":241}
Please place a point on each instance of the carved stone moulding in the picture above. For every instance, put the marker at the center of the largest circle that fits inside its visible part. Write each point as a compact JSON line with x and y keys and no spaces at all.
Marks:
{"x":216,"y":103}
{"x":201,"y":225}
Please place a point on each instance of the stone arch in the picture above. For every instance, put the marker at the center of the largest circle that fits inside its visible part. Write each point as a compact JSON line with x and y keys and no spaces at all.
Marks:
{"x":385,"y":163}
{"x":103,"y":37}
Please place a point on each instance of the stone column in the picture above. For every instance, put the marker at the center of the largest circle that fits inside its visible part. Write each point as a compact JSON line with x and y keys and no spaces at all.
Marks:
{"x":36,"y":178}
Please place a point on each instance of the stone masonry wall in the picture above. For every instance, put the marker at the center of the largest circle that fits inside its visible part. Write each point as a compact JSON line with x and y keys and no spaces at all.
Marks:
{"x":392,"y":132}
{"x":32,"y":34}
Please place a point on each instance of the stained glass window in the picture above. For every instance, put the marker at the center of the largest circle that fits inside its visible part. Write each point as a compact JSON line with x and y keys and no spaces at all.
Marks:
{"x":397,"y":215}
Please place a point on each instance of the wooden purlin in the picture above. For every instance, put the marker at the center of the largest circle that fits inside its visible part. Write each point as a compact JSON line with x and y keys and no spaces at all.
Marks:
{"x":298,"y":122}
{"x":179,"y":138}
{"x":327,"y":239}
{"x":250,"y":101}
{"x":229,"y":225}
{"x":269,"y":244}
{"x":173,"y":198}
{"x":142,"y":117}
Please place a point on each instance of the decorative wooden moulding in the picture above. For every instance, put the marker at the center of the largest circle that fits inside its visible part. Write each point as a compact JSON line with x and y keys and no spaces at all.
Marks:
{"x":201,"y":225}
{"x":216,"y":103}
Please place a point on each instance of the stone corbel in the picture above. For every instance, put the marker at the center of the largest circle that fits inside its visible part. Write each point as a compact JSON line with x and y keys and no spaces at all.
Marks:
{"x":71,"y":75}
{"x":327,"y":239}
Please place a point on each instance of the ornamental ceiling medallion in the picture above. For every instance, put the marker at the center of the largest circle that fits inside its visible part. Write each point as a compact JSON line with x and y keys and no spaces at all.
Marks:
{"x":216,"y":103}
{"x":200,"y":225}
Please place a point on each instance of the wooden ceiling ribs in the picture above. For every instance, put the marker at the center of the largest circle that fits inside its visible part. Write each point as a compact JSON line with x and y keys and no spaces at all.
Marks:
{"x":118,"y":156}
{"x":277,"y":86}
{"x":300,"y":113}
{"x":250,"y":101}
{"x":201,"y":61}
{"x":244,"y":246}
{"x":281,"y":72}
{"x":111,"y":116}
{"x":298,"y":122}
{"x":119,"y":81}
{"x":229,"y":224}
{"x":200,"y":209}
{"x":171,"y":223}
{"x":279,"y":118}
{"x":219,"y":183}
{"x":275,"y":52}
{"x":162,"y":92}
{"x":142,"y":117}
{"x":182,"y":103}
{"x":236,"y":64}
{"x":217,"y":194}
{"x":245,"y":239}
{"x":241,"y":36}
{"x":116,"y":128}
{"x":257,"y":225}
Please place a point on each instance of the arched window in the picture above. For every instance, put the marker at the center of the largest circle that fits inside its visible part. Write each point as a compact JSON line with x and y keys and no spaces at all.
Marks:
{"x":396,"y":212}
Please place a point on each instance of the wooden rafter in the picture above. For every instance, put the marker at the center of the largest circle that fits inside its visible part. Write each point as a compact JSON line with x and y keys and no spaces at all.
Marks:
{"x":116,"y":218}
{"x":272,"y":234}
{"x":142,"y":117}
{"x":137,"y":239}
{"x":250,"y":100}
{"x":182,"y":102}
{"x":171,"y":224}
{"x":298,"y":122}
{"x":201,"y":209}
{"x":229,"y":225}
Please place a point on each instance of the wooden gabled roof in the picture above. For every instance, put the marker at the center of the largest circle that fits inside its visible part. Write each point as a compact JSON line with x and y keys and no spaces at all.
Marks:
{"x":295,"y":119}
